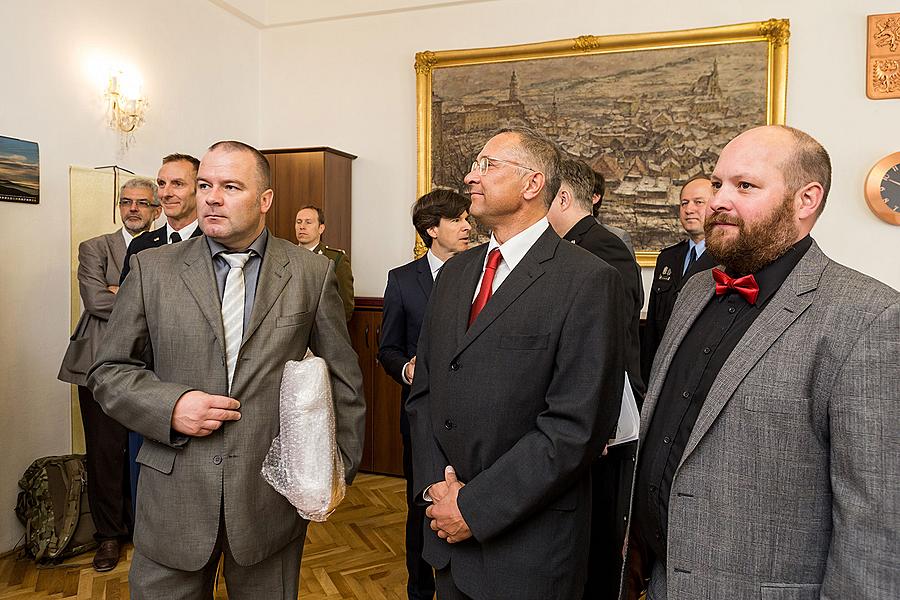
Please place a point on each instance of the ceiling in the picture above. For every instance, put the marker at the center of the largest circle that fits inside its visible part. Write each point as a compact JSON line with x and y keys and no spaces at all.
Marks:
{"x":266,"y":14}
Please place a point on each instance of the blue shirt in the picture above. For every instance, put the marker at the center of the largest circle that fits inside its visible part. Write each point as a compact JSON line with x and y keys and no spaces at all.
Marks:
{"x":700,"y":246}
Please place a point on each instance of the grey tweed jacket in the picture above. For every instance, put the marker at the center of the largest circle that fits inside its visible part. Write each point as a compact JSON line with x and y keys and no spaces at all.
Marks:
{"x":789,"y":487}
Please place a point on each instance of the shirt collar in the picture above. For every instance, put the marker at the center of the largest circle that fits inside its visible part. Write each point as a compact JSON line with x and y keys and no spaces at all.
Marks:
{"x":127,"y":236}
{"x":185,"y":232}
{"x":700,"y":246}
{"x":771,"y":277}
{"x":434,"y":263}
{"x":258,"y":246}
{"x":515,"y":248}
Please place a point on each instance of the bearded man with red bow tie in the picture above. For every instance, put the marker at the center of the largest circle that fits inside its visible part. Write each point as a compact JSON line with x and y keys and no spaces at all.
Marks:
{"x":768,"y":464}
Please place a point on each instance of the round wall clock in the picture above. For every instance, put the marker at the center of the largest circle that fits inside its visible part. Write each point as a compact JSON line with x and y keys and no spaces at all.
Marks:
{"x":883,"y":189}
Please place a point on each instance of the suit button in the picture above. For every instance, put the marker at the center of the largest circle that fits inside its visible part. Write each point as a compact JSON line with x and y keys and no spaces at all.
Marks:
{"x":217,"y":459}
{"x":454,"y":366}
{"x":448,"y":424}
{"x":666,"y":440}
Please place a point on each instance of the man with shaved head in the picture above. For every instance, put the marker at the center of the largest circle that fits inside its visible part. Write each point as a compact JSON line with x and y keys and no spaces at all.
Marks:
{"x":768,"y":464}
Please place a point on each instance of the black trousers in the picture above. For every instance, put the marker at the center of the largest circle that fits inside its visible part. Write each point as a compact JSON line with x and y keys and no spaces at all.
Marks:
{"x":109,"y":493}
{"x":611,"y":477}
{"x":420,"y":584}
{"x":446,"y":588}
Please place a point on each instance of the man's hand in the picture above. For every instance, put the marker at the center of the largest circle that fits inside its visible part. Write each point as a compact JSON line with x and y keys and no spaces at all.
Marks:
{"x":410,"y":369}
{"x":198,"y":414}
{"x":113,"y":288}
{"x":444,"y":513}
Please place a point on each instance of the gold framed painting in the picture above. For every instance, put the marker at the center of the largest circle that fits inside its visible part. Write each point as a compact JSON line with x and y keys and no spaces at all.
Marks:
{"x":648,"y":111}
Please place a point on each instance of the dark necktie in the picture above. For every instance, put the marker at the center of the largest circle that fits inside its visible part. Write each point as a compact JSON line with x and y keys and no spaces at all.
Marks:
{"x":746,"y":286}
{"x":487,"y":282}
{"x":691,"y":260}
{"x":175,"y":237}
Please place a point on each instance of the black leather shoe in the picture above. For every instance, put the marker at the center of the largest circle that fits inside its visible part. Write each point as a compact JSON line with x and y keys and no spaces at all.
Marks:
{"x":107,"y":556}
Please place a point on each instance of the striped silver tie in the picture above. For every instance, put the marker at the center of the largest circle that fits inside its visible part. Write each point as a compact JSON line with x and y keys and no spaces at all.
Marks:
{"x":233,"y":309}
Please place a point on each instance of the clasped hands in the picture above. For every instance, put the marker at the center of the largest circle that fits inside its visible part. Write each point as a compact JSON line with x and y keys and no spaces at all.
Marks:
{"x":444,"y":513}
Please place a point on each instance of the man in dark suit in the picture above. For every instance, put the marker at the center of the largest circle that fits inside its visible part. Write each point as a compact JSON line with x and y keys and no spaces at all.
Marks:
{"x":177,"y":181}
{"x":440,"y":219}
{"x":570,"y":215}
{"x":106,"y":440}
{"x":768,"y":463}
{"x":675,"y":265}
{"x":517,"y":388}
{"x":222,"y":314}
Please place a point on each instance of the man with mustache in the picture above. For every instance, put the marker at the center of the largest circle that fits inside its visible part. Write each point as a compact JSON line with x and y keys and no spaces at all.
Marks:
{"x":99,"y":265}
{"x":767,"y":464}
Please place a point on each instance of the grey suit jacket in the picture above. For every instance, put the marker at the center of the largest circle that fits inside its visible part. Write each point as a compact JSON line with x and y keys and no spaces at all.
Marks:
{"x":99,"y":266}
{"x":789,"y":487}
{"x":519,"y":403}
{"x":169,"y":309}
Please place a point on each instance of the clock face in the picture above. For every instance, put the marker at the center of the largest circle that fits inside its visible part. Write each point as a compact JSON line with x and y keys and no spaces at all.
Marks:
{"x":883,"y":189}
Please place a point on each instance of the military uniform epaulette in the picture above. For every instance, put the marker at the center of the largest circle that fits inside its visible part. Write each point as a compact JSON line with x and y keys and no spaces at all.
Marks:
{"x":329,"y":248}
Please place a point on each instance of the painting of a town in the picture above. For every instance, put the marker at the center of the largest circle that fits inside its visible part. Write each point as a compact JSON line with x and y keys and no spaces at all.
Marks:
{"x":19,"y":171}
{"x":647,"y":120}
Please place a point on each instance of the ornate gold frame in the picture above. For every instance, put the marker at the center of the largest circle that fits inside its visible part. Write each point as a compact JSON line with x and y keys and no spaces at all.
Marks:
{"x":774,"y":31}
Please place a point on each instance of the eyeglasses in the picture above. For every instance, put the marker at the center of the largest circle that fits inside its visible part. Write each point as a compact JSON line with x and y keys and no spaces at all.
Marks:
{"x":123,"y":202}
{"x":485,"y":162}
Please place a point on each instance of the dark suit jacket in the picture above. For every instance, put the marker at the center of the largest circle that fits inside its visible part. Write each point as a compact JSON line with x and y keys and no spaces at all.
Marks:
{"x":170,"y":304}
{"x":150,"y":239}
{"x":607,"y":246}
{"x":667,"y":282}
{"x":405,"y":300}
{"x":519,"y":403}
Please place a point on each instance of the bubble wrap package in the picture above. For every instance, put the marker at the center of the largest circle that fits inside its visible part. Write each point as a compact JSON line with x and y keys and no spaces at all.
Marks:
{"x":303,"y":463}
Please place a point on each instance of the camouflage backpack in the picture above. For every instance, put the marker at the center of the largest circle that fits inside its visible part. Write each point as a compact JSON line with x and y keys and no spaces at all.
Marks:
{"x":53,"y":507}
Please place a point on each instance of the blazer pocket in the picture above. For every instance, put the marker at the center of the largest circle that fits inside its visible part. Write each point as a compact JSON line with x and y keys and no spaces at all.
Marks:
{"x":789,"y":591}
{"x":78,"y":357}
{"x":524,"y":342}
{"x":293,"y":320}
{"x":776,"y":403}
{"x":157,"y":457}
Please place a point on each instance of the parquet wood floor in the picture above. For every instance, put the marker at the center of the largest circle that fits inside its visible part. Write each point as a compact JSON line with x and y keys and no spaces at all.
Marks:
{"x":357,"y":554}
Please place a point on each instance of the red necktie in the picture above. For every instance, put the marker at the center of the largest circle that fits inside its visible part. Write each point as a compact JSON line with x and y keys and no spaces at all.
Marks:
{"x":746,"y":286}
{"x":487,"y":282}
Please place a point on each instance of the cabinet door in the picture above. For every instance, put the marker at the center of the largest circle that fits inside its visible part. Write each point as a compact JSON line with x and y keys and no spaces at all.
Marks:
{"x":388,"y":447}
{"x":362,"y":336}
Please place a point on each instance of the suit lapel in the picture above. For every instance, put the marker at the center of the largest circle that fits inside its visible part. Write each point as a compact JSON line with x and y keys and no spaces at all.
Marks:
{"x":273,"y":276}
{"x":117,"y":248}
{"x":678,"y":326}
{"x":423,"y":276}
{"x":520,"y":279}
{"x":470,"y":276}
{"x":789,"y":302}
{"x":200,"y":279}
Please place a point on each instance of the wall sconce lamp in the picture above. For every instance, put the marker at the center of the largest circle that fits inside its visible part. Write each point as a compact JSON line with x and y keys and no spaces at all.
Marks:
{"x":126,"y":104}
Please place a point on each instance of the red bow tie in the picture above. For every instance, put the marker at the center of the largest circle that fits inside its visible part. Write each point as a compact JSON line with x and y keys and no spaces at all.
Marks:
{"x":746,"y":286}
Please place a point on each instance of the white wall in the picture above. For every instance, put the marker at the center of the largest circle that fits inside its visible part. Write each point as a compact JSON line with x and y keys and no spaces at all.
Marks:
{"x":350,"y":84}
{"x":200,"y":67}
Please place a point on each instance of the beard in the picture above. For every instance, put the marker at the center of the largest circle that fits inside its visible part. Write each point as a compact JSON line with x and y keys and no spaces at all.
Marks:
{"x":756,"y":245}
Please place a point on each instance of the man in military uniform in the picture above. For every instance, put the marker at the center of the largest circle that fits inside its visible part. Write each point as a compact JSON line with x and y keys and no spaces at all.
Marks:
{"x":675,"y":265}
{"x":310,"y":225}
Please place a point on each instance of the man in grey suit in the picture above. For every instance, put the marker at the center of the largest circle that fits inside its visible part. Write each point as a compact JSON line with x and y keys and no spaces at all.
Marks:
{"x":768,"y":464}
{"x":193,"y":361}
{"x":99,"y":265}
{"x":518,"y":384}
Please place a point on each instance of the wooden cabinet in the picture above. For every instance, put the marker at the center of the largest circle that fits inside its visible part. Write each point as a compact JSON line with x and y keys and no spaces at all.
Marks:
{"x":317,"y":176}
{"x":383,"y":449}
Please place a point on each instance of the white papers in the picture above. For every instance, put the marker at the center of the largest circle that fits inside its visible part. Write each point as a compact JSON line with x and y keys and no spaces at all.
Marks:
{"x":629,"y":418}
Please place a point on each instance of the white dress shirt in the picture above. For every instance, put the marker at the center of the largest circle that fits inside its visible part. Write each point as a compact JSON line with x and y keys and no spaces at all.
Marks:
{"x":513,"y":251}
{"x":127,"y":237}
{"x":185,"y":232}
